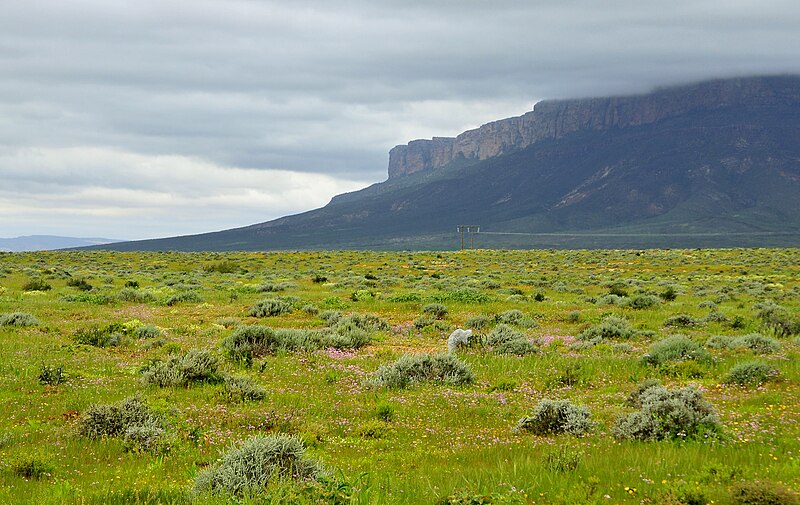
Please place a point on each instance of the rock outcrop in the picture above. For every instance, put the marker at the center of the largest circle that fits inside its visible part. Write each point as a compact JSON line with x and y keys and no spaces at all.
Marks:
{"x":556,"y":119}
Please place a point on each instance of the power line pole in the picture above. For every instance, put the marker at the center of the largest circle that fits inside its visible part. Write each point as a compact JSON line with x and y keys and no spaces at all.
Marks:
{"x":472,"y":229}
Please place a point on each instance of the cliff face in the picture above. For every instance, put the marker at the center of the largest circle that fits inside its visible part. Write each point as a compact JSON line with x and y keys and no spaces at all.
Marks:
{"x":556,"y":119}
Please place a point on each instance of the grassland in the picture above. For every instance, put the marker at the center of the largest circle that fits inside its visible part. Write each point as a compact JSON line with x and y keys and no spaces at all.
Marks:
{"x":428,"y":443}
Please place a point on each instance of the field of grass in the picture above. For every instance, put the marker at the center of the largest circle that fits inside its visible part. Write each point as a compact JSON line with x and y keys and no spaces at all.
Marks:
{"x":81,"y":330}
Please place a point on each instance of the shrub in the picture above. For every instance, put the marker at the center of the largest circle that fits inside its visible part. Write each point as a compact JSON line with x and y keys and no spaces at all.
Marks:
{"x":682,"y":321}
{"x":478,"y":322}
{"x":518,"y":347}
{"x":373,"y":429}
{"x":112,"y":335}
{"x":721,"y":342}
{"x":81,"y":284}
{"x":501,"y":334}
{"x":248,"y":469}
{"x":667,"y":414}
{"x":147,"y":331}
{"x":254,"y":340}
{"x":196,"y":365}
{"x":36,"y":285}
{"x":51,"y":375}
{"x":761,"y":493}
{"x":18,"y":319}
{"x":223,"y":267}
{"x":135,"y":295}
{"x":436,"y":310}
{"x":668,"y":294}
{"x":32,"y":467}
{"x":183,"y":296}
{"x":270,"y":307}
{"x":465,"y":295}
{"x":675,"y":348}
{"x":411,"y":369}
{"x":643,"y":302}
{"x":111,"y":420}
{"x":610,"y":327}
{"x":147,"y":436}
{"x":552,"y":417}
{"x":242,"y":389}
{"x":385,"y":412}
{"x":758,"y":343}
{"x":512,"y":317}
{"x":423,"y":321}
{"x":751,"y":373}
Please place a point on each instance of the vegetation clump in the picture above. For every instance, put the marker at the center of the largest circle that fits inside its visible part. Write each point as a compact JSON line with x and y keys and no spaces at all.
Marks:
{"x":610,"y":327}
{"x":751,"y":373}
{"x":196,"y":365}
{"x":762,"y":493}
{"x":112,"y":335}
{"x":18,"y":319}
{"x":663,"y":414}
{"x":551,"y":417}
{"x":36,"y":285}
{"x":241,"y":389}
{"x":132,"y":419}
{"x":271,"y":307}
{"x":257,"y":462}
{"x":412,"y":369}
{"x":675,"y":348}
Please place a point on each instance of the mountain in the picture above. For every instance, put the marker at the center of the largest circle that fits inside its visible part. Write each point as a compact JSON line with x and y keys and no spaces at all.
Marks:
{"x":48,"y":242}
{"x":710,"y":164}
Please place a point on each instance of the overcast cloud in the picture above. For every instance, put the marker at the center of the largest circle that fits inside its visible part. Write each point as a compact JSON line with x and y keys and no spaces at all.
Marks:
{"x":153,"y":118}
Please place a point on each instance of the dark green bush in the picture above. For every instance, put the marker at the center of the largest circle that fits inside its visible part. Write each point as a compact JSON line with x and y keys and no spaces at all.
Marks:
{"x":668,"y":294}
{"x":81,"y":284}
{"x":112,"y":335}
{"x":552,"y":417}
{"x":675,"y":348}
{"x":249,"y":468}
{"x":51,"y":375}
{"x":18,"y":319}
{"x":682,"y":321}
{"x":36,"y":285}
{"x":223,"y":267}
{"x":667,"y":414}
{"x":411,"y":369}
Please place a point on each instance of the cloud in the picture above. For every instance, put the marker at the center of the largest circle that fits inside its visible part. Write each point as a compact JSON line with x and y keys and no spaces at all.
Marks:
{"x":321,"y":87}
{"x":120,"y":194}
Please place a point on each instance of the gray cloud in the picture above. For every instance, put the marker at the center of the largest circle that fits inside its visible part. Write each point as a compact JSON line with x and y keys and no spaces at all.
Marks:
{"x":326,"y":88}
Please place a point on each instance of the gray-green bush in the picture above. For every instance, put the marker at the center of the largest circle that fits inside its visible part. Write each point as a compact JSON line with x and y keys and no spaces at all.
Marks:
{"x":249,"y":468}
{"x":271,"y":307}
{"x":18,"y":319}
{"x":751,"y":373}
{"x":196,"y":365}
{"x":414,"y":368}
{"x":675,"y":348}
{"x":681,"y":413}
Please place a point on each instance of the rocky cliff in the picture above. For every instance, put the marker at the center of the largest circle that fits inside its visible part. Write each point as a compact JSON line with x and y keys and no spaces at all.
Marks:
{"x":556,"y":119}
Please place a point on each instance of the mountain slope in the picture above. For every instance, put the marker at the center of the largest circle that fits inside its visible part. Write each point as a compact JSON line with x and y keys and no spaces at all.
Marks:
{"x":709,"y":165}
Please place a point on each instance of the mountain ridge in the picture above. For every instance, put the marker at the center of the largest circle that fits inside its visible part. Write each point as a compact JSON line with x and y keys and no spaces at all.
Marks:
{"x":713,"y":164}
{"x":553,"y":119}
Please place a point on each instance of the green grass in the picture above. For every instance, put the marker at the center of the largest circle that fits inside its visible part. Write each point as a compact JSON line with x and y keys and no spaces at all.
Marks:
{"x":440,"y":440}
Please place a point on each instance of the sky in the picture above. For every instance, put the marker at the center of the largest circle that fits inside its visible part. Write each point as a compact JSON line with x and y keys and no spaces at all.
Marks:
{"x":145,"y":119}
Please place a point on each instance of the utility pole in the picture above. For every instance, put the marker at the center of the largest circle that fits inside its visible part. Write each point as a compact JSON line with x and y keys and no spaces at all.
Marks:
{"x":472,"y":229}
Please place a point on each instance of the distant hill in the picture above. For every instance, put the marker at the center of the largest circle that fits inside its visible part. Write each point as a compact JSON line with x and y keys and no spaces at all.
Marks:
{"x":48,"y":242}
{"x":712,"y":164}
